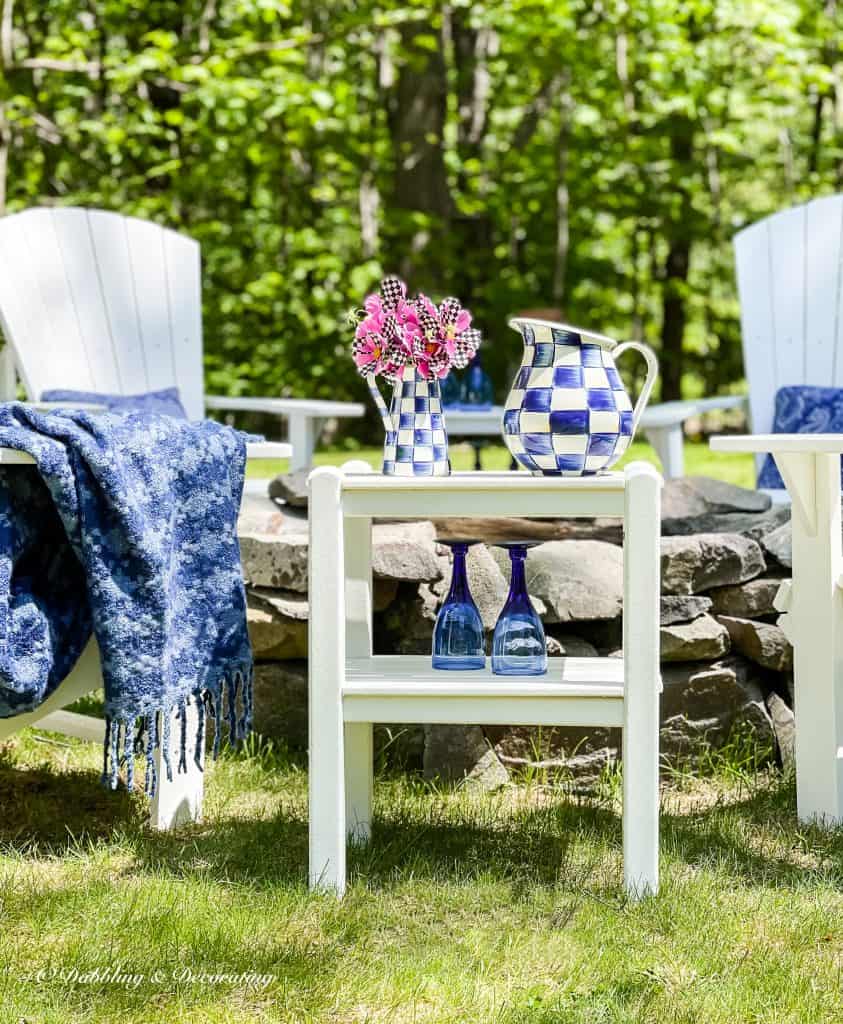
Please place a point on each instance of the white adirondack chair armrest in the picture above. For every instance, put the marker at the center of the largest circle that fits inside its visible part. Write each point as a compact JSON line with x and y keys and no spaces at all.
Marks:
{"x":254,"y":450}
{"x":668,"y":414}
{"x":311,"y":407}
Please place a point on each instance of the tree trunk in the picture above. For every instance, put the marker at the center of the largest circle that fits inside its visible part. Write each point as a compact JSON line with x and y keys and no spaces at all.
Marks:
{"x":417,"y":126}
{"x":677,"y":264}
{"x":562,"y":195}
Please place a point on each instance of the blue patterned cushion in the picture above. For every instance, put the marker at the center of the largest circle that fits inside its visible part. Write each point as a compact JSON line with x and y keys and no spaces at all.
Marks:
{"x":166,"y":402}
{"x":803,"y":410}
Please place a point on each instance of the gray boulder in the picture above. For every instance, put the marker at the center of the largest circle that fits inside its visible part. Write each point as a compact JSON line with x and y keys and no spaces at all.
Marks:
{"x":277,"y":621}
{"x":290,"y":488}
{"x":762,"y":642}
{"x":578,"y":580}
{"x":405,"y":551}
{"x":278,"y":561}
{"x":750,"y":600}
{"x":701,"y":639}
{"x":751,"y":524}
{"x":784,"y":728}
{"x":693,"y":564}
{"x":682,"y":608}
{"x":280,"y":701}
{"x":689,"y":496}
{"x":778,"y":544}
{"x":455,"y":753}
{"x":258,"y":514}
{"x":702,"y":704}
{"x":406,"y":627}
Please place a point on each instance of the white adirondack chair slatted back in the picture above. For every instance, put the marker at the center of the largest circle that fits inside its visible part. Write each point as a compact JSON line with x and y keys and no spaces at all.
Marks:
{"x":95,"y":301}
{"x":790,"y":281}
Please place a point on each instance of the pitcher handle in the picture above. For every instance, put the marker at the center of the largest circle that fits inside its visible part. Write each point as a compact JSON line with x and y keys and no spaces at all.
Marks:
{"x":649,"y":381}
{"x":374,"y":391}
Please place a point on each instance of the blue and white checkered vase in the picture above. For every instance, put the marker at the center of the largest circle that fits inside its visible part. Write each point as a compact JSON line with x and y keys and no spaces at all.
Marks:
{"x":416,"y":443}
{"x":568,"y":413}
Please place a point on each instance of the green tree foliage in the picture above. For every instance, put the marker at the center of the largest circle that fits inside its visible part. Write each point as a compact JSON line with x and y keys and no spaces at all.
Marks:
{"x":586,"y":156}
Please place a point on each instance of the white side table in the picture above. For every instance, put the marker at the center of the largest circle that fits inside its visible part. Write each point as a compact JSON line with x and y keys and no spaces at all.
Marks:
{"x":810,"y":467}
{"x":350,"y":689}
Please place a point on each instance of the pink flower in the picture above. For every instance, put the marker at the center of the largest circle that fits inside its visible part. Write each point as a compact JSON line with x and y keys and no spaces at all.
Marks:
{"x":396,"y":331}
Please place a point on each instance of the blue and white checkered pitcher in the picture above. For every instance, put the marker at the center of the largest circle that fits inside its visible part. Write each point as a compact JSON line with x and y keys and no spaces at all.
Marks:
{"x":416,"y":443}
{"x":568,"y":413}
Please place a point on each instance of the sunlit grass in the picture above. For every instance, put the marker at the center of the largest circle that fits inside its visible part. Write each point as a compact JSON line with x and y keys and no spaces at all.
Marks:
{"x":505,"y":908}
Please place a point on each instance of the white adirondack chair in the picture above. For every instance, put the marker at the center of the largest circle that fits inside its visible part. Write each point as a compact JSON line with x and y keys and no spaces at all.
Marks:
{"x":99,"y":302}
{"x":790,"y":273}
{"x":95,"y":301}
{"x":790,"y":280}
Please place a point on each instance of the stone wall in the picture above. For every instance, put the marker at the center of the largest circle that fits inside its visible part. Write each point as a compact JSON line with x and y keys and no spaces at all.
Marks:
{"x":726,"y":664}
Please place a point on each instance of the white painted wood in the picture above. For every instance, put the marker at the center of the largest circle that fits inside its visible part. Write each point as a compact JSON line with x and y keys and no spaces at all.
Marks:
{"x":797,"y":470}
{"x":753,"y":259}
{"x":8,"y":375}
{"x":350,"y":688}
{"x":478,"y":493}
{"x":414,"y":675}
{"x":84,"y":677}
{"x":316,"y":408}
{"x":816,"y":622}
{"x":469,"y":709}
{"x":823,"y":256}
{"x":80,"y":727}
{"x":669,"y":444}
{"x":807,"y":443}
{"x":784,"y":596}
{"x":184,"y":302}
{"x":790,"y":281}
{"x":80,"y":266}
{"x":178,"y":801}
{"x":303,"y":431}
{"x":326,"y":664}
{"x":148,"y":268}
{"x":642,"y":586}
{"x":268,"y":450}
{"x":359,"y":766}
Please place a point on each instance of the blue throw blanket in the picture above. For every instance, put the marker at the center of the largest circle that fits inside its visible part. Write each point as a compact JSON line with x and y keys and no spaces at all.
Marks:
{"x":127,"y":529}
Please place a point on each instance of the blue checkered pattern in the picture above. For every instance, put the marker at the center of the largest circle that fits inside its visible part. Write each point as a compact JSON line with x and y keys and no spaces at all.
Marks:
{"x":568,"y":413}
{"x":418,"y":444}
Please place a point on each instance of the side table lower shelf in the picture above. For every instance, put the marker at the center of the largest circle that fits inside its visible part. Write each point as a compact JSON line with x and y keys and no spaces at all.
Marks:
{"x":575,"y":691}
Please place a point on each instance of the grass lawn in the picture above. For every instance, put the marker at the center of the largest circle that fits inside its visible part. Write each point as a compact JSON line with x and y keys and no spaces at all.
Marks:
{"x":504,"y":908}
{"x":699,"y":460}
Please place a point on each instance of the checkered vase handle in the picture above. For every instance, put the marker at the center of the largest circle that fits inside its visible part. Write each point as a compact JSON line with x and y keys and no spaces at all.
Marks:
{"x":568,"y":413}
{"x":416,"y":443}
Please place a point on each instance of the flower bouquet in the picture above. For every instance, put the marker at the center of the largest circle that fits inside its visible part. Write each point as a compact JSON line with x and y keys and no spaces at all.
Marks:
{"x":413,"y":344}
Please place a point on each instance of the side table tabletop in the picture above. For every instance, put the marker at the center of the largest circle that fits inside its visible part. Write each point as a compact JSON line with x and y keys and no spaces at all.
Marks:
{"x":813,"y":610}
{"x":350,"y":688}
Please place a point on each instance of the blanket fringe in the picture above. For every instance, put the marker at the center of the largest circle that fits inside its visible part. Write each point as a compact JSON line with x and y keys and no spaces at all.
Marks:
{"x":150,"y":732}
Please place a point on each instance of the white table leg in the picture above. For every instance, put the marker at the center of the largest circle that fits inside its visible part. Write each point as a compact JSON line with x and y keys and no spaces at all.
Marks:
{"x":641,"y":660}
{"x":179,"y":801}
{"x":302,"y":436}
{"x":669,"y":445}
{"x":358,"y":644}
{"x":816,"y":623}
{"x":327,"y":827}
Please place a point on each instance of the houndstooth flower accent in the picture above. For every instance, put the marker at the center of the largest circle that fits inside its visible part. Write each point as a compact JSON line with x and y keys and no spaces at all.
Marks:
{"x":395,"y":332}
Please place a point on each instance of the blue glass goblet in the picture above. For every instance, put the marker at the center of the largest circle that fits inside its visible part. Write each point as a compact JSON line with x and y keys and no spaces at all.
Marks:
{"x":458,"y":637}
{"x":477,"y":389}
{"x":518,"y":644}
{"x":450,"y":389}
